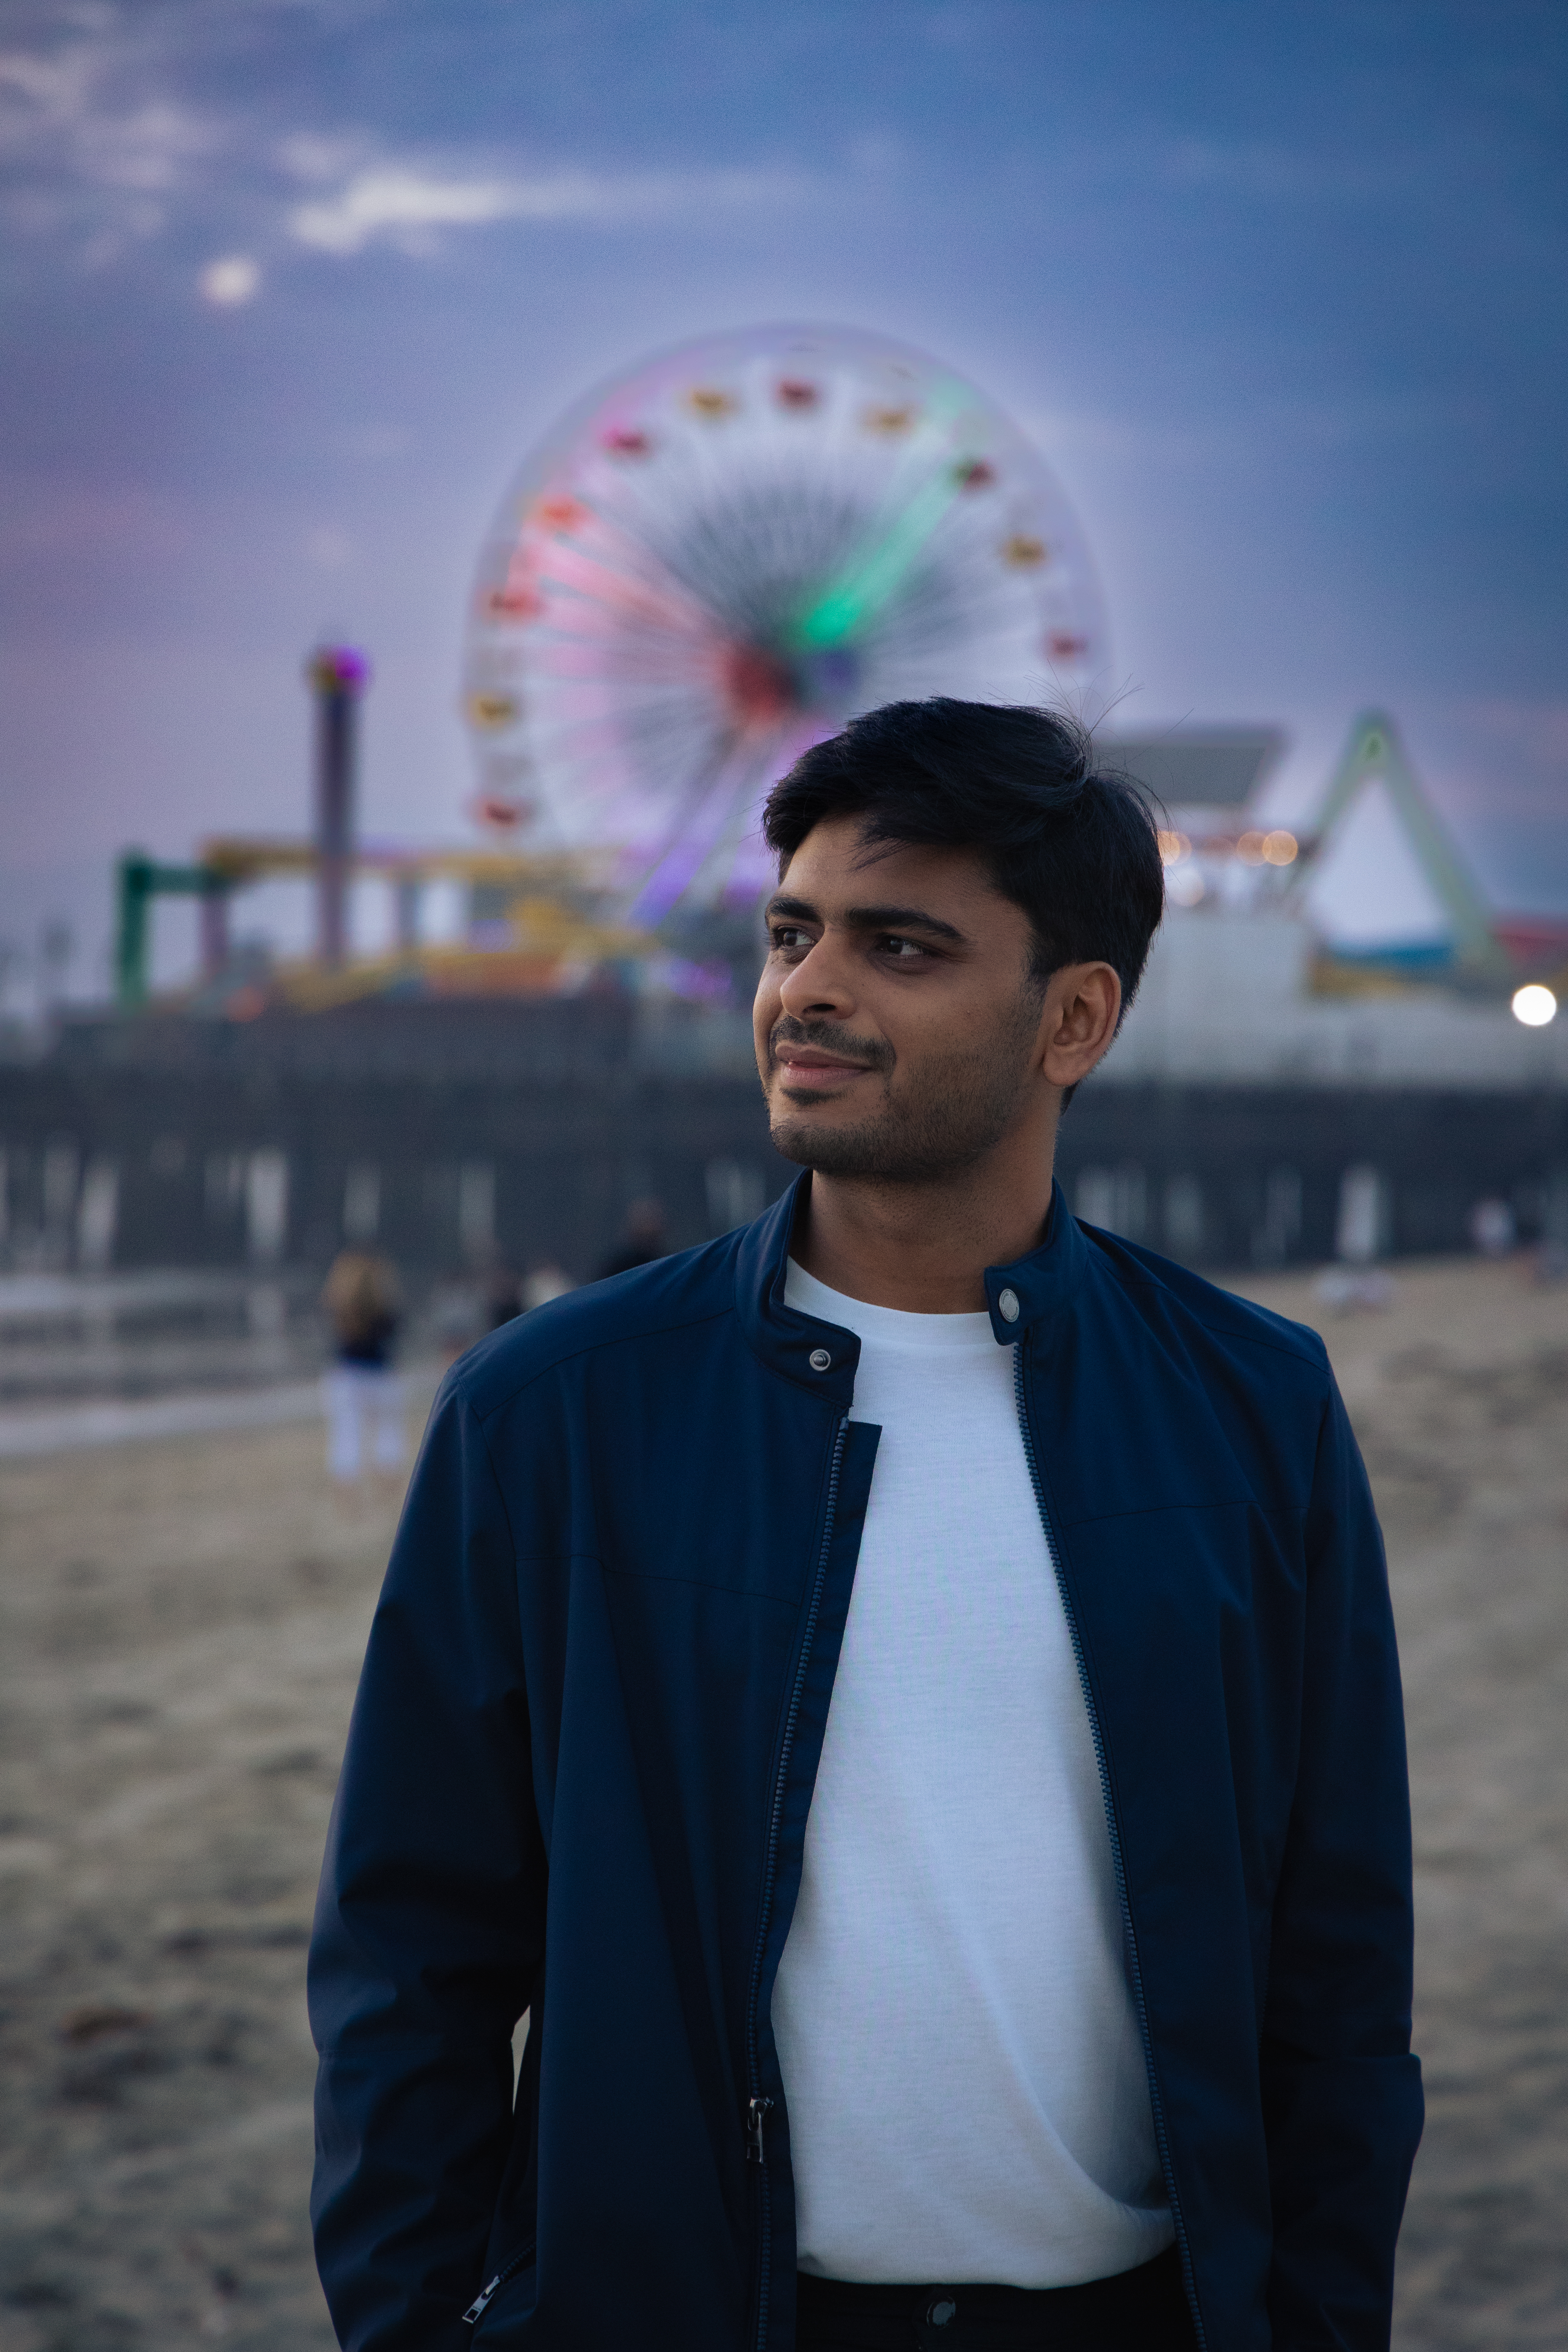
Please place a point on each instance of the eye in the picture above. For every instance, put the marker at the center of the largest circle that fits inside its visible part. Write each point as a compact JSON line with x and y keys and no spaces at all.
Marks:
{"x":899,"y":949}
{"x":791,"y":938}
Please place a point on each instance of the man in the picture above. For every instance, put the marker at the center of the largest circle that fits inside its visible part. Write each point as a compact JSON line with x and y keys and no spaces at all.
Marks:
{"x":904,"y":1696}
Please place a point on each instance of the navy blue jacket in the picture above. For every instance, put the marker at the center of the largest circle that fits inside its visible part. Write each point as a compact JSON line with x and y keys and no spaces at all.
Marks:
{"x":583,"y":1753}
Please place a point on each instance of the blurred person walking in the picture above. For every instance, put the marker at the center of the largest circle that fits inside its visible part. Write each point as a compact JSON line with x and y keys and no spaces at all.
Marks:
{"x":904,"y":1695}
{"x":544,"y":1281}
{"x":501,"y":1292}
{"x":361,"y":1395}
{"x":643,"y":1241}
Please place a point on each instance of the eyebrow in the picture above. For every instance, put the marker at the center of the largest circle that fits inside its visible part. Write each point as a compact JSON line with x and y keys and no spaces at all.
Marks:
{"x":869,"y":919}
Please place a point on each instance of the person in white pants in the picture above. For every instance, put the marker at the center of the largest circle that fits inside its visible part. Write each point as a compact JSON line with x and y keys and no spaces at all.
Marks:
{"x":361,"y":1395}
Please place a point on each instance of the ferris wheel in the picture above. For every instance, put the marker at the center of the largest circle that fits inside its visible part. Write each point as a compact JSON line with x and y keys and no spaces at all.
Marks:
{"x":720,"y":558}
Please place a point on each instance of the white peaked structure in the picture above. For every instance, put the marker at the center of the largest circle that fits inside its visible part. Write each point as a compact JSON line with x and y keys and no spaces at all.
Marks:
{"x":1182,"y":768}
{"x":1386,"y":882}
{"x":1315,"y":978}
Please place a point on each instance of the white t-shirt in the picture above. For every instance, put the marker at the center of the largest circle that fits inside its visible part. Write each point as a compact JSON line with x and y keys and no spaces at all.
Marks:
{"x":961,"y":2054}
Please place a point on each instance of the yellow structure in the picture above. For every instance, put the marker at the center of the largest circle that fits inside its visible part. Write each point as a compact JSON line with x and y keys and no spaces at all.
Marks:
{"x":550,"y":911}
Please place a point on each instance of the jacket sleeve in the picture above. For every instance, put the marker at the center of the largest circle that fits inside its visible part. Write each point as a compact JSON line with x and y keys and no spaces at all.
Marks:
{"x":429,"y":1923}
{"x":1341,"y":2092}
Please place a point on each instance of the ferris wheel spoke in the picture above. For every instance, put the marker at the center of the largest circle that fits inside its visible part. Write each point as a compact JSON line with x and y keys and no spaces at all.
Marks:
{"x":671,"y":865}
{"x":650,"y":596}
{"x":580,"y":639}
{"x":575,"y":574}
{"x":590,"y":659}
{"x":671,"y":750}
{"x":585,"y":631}
{"x":737,"y":822}
{"x":567,"y":691}
{"x":730,"y":546}
{"x":727,"y":790}
{"x":875,"y":574}
{"x":927,"y":623}
{"x":619,"y":550}
{"x":664,"y":767}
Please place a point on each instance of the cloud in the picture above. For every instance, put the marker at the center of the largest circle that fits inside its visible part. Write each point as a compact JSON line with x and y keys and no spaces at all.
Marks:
{"x":101,"y":149}
{"x":319,"y":156}
{"x":90,"y":140}
{"x":406,"y":207}
{"x":230,"y":281}
{"x":409,"y":206}
{"x":57,"y":109}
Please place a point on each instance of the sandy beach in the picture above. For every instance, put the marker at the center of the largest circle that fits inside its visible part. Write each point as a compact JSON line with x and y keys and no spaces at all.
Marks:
{"x":181,"y":1624}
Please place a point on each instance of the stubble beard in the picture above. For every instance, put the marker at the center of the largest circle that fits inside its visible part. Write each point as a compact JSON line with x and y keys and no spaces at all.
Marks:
{"x":947,"y":1115}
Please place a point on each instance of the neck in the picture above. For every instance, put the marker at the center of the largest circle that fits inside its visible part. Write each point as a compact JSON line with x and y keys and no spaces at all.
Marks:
{"x":924,"y":1248}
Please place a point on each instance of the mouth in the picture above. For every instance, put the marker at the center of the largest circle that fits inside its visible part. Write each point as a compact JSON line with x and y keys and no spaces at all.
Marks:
{"x":808,"y":1070}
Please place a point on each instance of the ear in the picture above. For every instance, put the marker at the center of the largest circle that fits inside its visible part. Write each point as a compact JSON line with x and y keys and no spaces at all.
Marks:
{"x":1083,"y":1004}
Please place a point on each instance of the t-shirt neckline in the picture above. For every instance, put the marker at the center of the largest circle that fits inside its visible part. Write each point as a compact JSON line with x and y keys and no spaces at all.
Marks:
{"x":886,"y":1326}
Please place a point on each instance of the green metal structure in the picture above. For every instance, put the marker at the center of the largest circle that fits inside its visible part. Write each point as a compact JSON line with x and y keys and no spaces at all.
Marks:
{"x":140,"y":879}
{"x":1375,"y":753}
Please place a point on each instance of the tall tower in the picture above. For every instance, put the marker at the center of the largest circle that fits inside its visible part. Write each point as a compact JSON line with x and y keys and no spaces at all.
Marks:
{"x":338,"y":677}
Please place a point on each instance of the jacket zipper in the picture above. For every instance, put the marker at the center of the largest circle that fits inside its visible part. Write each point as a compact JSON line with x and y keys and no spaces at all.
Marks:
{"x":757,"y":2107}
{"x":475,"y":2310}
{"x":1117,"y":1863}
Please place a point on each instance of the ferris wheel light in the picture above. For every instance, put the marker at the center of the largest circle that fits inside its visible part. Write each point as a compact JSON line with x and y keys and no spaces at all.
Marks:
{"x":492,"y":711}
{"x":520,"y":603}
{"x":1535,"y":1005}
{"x":498,"y":813}
{"x":561,"y":513}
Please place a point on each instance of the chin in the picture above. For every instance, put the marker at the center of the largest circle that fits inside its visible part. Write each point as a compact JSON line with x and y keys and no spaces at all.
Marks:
{"x":862,"y":1150}
{"x":804,"y":1140}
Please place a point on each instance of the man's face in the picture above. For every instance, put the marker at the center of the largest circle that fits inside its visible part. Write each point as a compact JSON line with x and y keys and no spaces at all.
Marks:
{"x":897,"y":1029}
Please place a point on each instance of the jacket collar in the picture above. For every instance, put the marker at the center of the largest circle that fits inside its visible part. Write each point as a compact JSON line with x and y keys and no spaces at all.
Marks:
{"x":1044,"y":1282}
{"x":1037,"y":1288}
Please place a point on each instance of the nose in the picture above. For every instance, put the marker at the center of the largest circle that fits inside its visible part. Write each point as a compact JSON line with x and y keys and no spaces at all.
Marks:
{"x":820,"y":984}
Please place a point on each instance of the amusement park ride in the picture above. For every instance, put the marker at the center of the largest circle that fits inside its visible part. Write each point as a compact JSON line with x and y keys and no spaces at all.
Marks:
{"x":709,"y":566}
{"x":542,"y":905}
{"x":715,"y":563}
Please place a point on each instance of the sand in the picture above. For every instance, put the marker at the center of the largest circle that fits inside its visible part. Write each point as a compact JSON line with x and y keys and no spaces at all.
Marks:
{"x":181,"y":1624}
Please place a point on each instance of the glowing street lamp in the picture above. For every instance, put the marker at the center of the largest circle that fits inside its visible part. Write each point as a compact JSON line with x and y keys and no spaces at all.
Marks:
{"x":1535,"y":1005}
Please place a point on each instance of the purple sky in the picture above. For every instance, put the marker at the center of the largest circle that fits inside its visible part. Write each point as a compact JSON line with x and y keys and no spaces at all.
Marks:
{"x":289,"y":287}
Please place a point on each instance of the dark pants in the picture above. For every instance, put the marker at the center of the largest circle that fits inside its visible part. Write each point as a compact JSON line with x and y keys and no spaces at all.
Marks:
{"x":1143,"y":2310}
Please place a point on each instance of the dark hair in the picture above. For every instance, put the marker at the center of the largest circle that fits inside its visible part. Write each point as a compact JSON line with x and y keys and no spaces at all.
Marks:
{"x":1073,"y":845}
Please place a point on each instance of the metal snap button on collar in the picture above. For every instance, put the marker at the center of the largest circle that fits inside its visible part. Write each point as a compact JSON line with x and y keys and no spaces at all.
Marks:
{"x":944,"y":2308}
{"x":1007,"y":1306}
{"x":821,"y":1362}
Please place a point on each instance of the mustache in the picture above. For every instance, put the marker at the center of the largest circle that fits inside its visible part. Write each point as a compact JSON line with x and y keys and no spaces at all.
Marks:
{"x":827,"y":1037}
